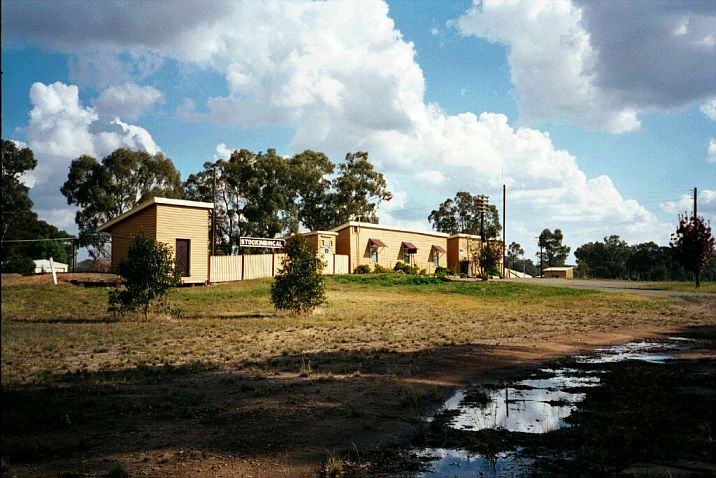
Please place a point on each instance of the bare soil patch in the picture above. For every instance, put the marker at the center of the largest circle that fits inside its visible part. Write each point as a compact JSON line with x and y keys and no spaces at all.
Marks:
{"x":189,"y":421}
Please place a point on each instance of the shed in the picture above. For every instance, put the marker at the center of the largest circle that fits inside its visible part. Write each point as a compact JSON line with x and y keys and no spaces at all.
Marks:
{"x":182,"y":225}
{"x":558,"y":273}
{"x":43,"y":266}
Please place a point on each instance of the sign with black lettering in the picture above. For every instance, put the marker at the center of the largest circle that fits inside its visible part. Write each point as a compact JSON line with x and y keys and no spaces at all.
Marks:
{"x":261,"y":242}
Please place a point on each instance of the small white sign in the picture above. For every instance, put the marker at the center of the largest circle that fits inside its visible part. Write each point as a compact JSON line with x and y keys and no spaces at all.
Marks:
{"x":261,"y":242}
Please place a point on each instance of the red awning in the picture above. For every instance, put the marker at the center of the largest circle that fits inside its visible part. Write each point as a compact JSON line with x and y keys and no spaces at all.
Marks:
{"x":440,"y":249}
{"x":410,"y":247}
{"x":377,"y":242}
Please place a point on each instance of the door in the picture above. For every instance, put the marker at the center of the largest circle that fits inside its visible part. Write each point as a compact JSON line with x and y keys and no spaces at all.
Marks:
{"x":182,"y":257}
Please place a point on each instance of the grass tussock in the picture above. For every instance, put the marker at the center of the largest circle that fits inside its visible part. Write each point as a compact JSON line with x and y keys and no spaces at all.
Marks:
{"x":50,"y":331}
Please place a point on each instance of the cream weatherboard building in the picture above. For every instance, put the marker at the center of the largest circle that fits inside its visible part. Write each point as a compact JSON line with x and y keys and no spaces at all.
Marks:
{"x":371,"y":244}
{"x":182,"y":225}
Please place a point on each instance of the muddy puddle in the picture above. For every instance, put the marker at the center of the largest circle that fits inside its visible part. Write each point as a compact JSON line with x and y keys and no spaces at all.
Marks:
{"x":530,"y":408}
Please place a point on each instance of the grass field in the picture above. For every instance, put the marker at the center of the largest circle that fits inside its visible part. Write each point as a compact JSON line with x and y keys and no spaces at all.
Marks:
{"x":231,"y":387}
{"x":49,"y":330}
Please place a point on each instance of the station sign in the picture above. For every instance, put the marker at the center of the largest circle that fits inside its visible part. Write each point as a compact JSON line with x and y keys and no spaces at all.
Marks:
{"x":261,"y":242}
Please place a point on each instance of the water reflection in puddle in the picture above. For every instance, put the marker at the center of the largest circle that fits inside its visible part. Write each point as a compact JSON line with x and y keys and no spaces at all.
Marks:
{"x":643,"y":351}
{"x":461,"y":464}
{"x":538,"y":404}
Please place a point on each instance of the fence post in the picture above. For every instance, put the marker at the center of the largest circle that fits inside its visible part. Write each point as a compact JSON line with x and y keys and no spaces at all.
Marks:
{"x":242,"y":266}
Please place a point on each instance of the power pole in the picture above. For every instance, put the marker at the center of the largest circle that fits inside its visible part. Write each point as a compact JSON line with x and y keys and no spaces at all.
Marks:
{"x":695,"y":206}
{"x":504,"y":226}
{"x":213,"y":214}
{"x":541,"y":255}
{"x":482,"y":201}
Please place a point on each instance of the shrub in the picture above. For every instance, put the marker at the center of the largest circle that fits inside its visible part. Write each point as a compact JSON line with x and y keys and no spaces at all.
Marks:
{"x":378,"y":269}
{"x":149,"y":272}
{"x":18,"y":264}
{"x":299,"y":285}
{"x":441,"y":271}
{"x":362,"y":269}
{"x":405,"y":268}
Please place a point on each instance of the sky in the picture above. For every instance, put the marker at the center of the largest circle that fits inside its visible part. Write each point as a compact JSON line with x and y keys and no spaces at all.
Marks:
{"x":599,"y":117}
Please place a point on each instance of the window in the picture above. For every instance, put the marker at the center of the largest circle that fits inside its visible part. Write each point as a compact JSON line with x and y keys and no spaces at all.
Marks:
{"x":436,"y":259}
{"x":182,"y":251}
{"x":408,"y":250}
{"x":374,"y":254}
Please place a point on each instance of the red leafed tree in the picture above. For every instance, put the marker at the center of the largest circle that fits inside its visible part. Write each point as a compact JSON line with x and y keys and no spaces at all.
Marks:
{"x":692,"y":244}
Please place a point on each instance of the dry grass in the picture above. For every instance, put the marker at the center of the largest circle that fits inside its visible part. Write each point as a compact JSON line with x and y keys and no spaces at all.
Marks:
{"x":51,"y":330}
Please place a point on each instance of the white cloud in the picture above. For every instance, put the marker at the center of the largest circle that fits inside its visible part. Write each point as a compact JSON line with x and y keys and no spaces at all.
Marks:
{"x":581,"y":61}
{"x":685,"y":205}
{"x":711,"y":154}
{"x":60,"y":129}
{"x":709,"y":109}
{"x":345,"y":80}
{"x":127,"y":101}
{"x":551,"y":61}
{"x":222,"y":152}
{"x":431,"y":177}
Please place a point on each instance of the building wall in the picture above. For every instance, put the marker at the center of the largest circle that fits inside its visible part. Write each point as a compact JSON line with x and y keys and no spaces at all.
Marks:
{"x":143,"y":222}
{"x":179,"y":222}
{"x":354,"y":241}
{"x":558,"y":274}
{"x":318,"y":240}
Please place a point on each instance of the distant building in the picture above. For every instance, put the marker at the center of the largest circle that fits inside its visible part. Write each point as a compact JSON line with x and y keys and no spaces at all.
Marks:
{"x":43,"y":266}
{"x":558,"y":273}
{"x":372,"y":244}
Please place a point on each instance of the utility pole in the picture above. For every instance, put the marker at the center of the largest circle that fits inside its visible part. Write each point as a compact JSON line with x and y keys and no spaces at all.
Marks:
{"x":541,"y":255}
{"x":504,"y":226}
{"x":482,"y":201}
{"x":695,"y":205}
{"x":213,"y":214}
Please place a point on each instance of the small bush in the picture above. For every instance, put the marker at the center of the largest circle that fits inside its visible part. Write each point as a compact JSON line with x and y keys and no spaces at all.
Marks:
{"x":441,"y":271}
{"x":405,"y":268}
{"x":378,"y":269}
{"x":19,"y":264}
{"x":149,"y":272}
{"x":299,"y":285}
{"x":362,"y":269}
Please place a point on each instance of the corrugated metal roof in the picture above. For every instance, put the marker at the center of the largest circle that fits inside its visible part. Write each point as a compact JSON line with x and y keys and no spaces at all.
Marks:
{"x":377,"y":242}
{"x":410,"y":247}
{"x":440,"y":249}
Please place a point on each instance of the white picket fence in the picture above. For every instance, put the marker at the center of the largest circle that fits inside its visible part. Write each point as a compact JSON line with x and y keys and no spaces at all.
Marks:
{"x":255,"y":266}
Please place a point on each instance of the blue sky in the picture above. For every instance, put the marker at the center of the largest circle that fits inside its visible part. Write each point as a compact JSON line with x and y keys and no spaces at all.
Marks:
{"x":599,"y":116}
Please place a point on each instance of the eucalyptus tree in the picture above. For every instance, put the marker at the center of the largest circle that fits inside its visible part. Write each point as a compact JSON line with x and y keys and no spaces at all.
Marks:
{"x":123,"y":179}
{"x":463,"y":214}
{"x":552,"y":251}
{"x":358,"y":190}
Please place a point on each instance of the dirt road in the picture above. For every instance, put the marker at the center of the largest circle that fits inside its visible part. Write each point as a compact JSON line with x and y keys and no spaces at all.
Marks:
{"x":623,"y":286}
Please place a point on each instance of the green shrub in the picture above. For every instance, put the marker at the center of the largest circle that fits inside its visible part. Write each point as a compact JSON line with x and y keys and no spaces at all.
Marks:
{"x":19,"y":264}
{"x":299,"y":285}
{"x":149,"y":272}
{"x":378,"y":269}
{"x":441,"y":271}
{"x":362,"y":269}
{"x":405,"y":268}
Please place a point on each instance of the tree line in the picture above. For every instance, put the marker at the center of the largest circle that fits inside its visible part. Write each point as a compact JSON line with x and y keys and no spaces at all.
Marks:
{"x":614,"y":258}
{"x":265,"y":195}
{"x":689,"y":256}
{"x":20,"y":222}
{"x":256,"y":194}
